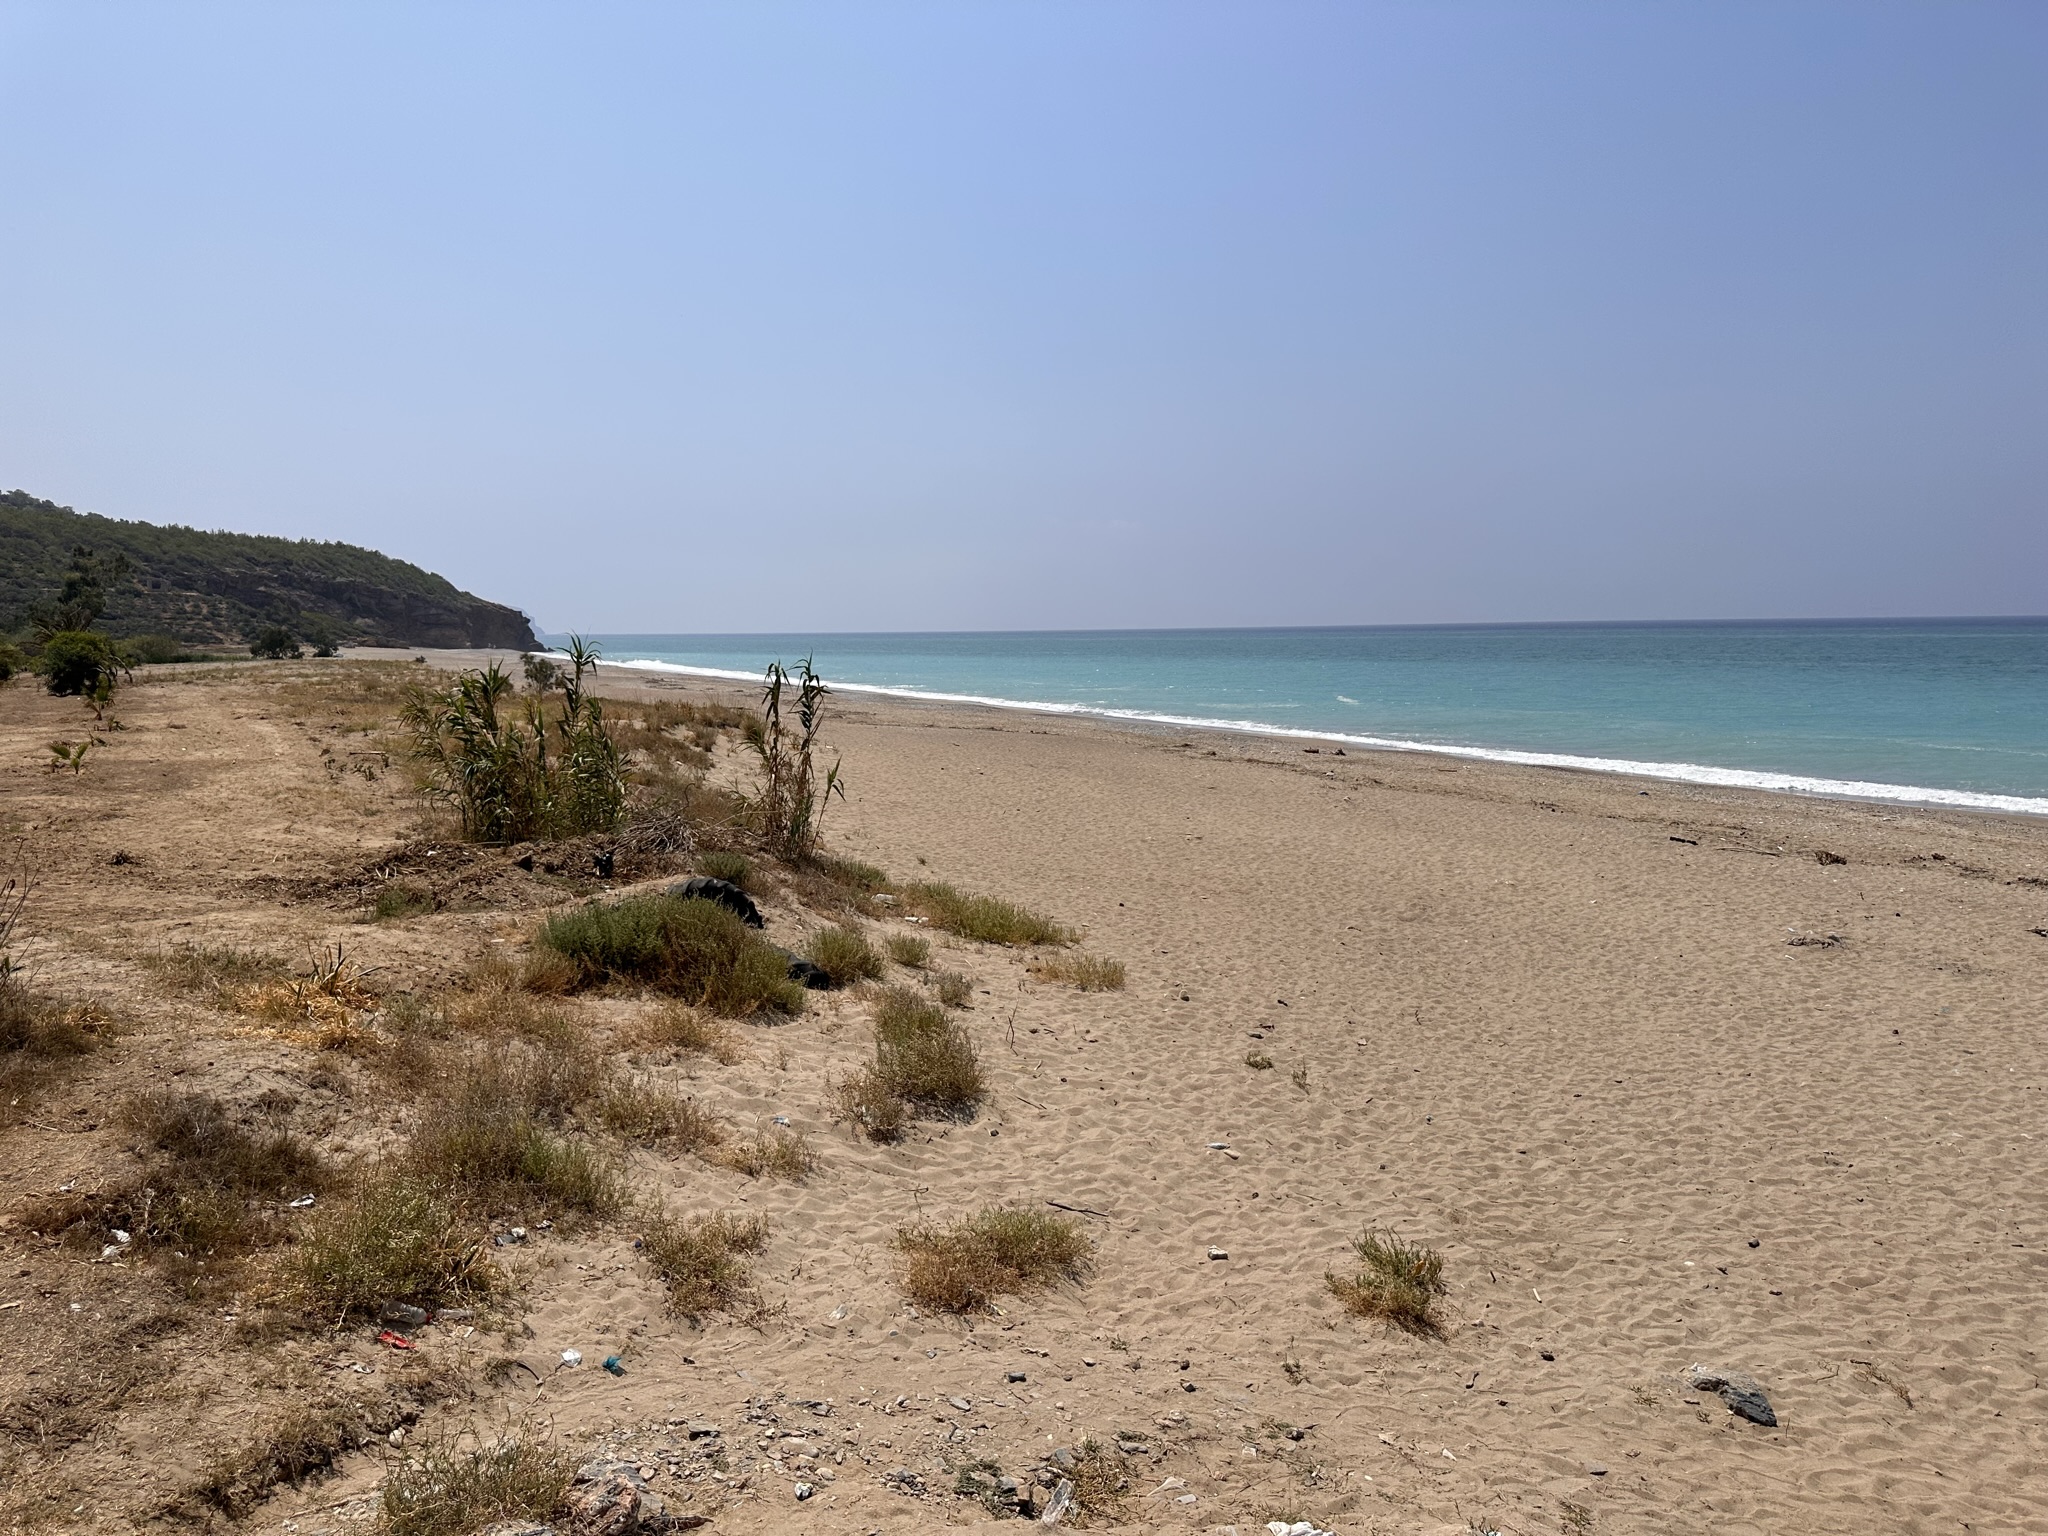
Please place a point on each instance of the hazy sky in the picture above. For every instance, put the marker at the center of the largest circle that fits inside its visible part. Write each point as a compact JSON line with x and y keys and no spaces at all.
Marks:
{"x":1043,"y":314}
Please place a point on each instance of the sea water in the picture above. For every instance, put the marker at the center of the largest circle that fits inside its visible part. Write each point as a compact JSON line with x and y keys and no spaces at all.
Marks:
{"x":1944,"y":712}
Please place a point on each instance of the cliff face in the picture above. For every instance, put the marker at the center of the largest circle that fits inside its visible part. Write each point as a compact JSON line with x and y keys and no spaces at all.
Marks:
{"x":217,"y":588}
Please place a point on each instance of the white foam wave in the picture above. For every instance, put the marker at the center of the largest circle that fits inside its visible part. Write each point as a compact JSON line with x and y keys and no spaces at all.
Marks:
{"x":1685,"y":773}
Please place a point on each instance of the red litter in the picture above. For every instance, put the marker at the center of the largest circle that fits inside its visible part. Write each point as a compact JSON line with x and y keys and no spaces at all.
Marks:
{"x":396,"y":1340}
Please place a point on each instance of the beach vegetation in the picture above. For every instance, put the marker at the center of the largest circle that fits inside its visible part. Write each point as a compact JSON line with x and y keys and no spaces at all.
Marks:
{"x":844,"y":954}
{"x":1396,"y":1281}
{"x":1258,"y":1061}
{"x":549,"y":769}
{"x":986,"y":919}
{"x":644,"y":1109}
{"x":445,"y":1487}
{"x":731,"y":867}
{"x":912,"y":951}
{"x":1001,"y":1250}
{"x":778,"y":1152}
{"x":692,"y":949}
{"x":925,"y":1063}
{"x":951,"y":988}
{"x":683,"y":1028}
{"x":790,"y":807}
{"x":395,"y":1237}
{"x":703,"y":1260}
{"x":305,"y":1439}
{"x":1085,"y":973}
{"x":273,"y":642}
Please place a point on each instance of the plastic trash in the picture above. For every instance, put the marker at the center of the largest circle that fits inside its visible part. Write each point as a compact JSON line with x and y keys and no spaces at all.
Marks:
{"x":572,"y":1357}
{"x":302,"y":1202}
{"x":613,"y":1364}
{"x":121,"y":1237}
{"x":804,"y":1491}
{"x":396,"y":1340}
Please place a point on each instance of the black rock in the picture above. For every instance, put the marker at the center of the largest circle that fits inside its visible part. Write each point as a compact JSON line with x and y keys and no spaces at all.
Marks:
{"x":725,"y":893}
{"x":1743,"y":1394}
{"x":802,"y":970}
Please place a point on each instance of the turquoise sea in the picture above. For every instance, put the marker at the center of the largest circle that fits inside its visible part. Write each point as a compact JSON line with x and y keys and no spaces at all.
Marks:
{"x":1947,"y":712}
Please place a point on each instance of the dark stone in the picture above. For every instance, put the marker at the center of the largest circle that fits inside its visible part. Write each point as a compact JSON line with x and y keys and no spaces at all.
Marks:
{"x":1743,"y":1394}
{"x":725,"y":894}
{"x":606,"y":859}
{"x":802,"y":970}
{"x":607,"y":1507}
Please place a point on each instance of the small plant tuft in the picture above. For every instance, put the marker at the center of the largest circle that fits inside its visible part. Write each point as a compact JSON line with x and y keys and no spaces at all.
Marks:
{"x":444,"y":1488}
{"x":1003,"y":1250}
{"x":733,"y":868}
{"x":1258,"y":1061}
{"x":912,"y":951}
{"x":702,"y":1260}
{"x":778,"y":1152}
{"x":1085,"y":973}
{"x":984,"y":918}
{"x":844,"y":954}
{"x":694,"y":949}
{"x":1397,"y":1281}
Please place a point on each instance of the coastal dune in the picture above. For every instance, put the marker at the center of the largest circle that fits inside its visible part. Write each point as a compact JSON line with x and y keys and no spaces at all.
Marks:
{"x":1668,"y":1075}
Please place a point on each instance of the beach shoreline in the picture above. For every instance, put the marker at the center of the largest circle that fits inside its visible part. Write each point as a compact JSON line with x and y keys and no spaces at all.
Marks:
{"x":1667,"y":1074}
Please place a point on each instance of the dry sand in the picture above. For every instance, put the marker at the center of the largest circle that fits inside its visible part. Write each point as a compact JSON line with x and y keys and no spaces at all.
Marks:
{"x":1549,"y":1023}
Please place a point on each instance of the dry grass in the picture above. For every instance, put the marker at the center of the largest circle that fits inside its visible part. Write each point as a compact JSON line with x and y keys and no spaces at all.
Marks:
{"x":685,"y":1029}
{"x":494,"y":1152}
{"x":1087,"y":973}
{"x":396,"y":1239}
{"x":695,"y":950}
{"x":1101,"y":1479}
{"x":702,"y":1260}
{"x":644,"y":1109}
{"x":1398,"y":1282}
{"x":1003,"y":1250}
{"x":305,"y":1439}
{"x":215,"y":971}
{"x":446,"y":1488}
{"x":1258,"y":1061}
{"x":953,"y":989}
{"x":36,"y":1034}
{"x":910,"y":950}
{"x":779,"y":1152}
{"x":925,"y":1063}
{"x":844,"y":954}
{"x":984,"y":918}
{"x":733,"y":868}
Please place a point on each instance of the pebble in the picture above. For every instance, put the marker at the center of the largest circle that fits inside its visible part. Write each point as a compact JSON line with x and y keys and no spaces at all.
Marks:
{"x":1594,"y":1469}
{"x":1218,"y":1253}
{"x":960,"y":1403}
{"x":1013,"y":1375}
{"x":803,"y":1491}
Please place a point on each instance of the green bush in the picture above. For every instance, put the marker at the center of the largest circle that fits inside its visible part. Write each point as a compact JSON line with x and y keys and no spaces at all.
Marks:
{"x":733,"y":868}
{"x":11,"y":661}
{"x":984,"y":917}
{"x":275,"y":643}
{"x":155,"y":651}
{"x":77,"y":661}
{"x":397,"y":1240}
{"x":844,"y":955}
{"x":695,"y":950}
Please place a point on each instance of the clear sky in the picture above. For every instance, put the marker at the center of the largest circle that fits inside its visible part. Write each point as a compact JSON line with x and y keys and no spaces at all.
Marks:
{"x":1056,"y":313}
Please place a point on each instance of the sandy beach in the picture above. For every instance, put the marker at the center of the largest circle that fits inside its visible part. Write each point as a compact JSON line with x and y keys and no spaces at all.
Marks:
{"x":1668,"y":1075}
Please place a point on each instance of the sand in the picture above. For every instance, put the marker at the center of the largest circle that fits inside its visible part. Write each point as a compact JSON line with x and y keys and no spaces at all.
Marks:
{"x":1551,"y":1024}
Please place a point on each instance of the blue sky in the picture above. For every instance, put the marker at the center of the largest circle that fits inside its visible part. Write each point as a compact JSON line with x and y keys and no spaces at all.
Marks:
{"x":897,"y":316}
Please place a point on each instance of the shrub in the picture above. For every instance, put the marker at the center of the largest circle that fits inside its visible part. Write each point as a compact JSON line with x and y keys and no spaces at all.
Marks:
{"x":78,"y":661}
{"x":694,"y":949}
{"x":1088,"y":973}
{"x":733,"y":868}
{"x":984,"y":917}
{"x":844,"y":955}
{"x":703,"y":1261}
{"x":926,"y":1057}
{"x":302,"y":1440}
{"x":953,"y":989}
{"x":401,"y":901}
{"x":11,"y":661}
{"x":275,"y":643}
{"x":205,"y":1169}
{"x":443,"y":1489}
{"x":861,"y":879}
{"x":685,"y":1029}
{"x":33,"y":1025}
{"x":909,"y":950}
{"x":1398,"y":1282}
{"x":646,"y":1110}
{"x":155,"y":651}
{"x":396,"y":1240}
{"x":1003,"y":1250}
{"x":785,"y":1153}
{"x":492,"y":1139}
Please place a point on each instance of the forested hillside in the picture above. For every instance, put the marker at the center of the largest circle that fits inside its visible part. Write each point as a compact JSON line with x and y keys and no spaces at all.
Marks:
{"x":219,"y":588}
